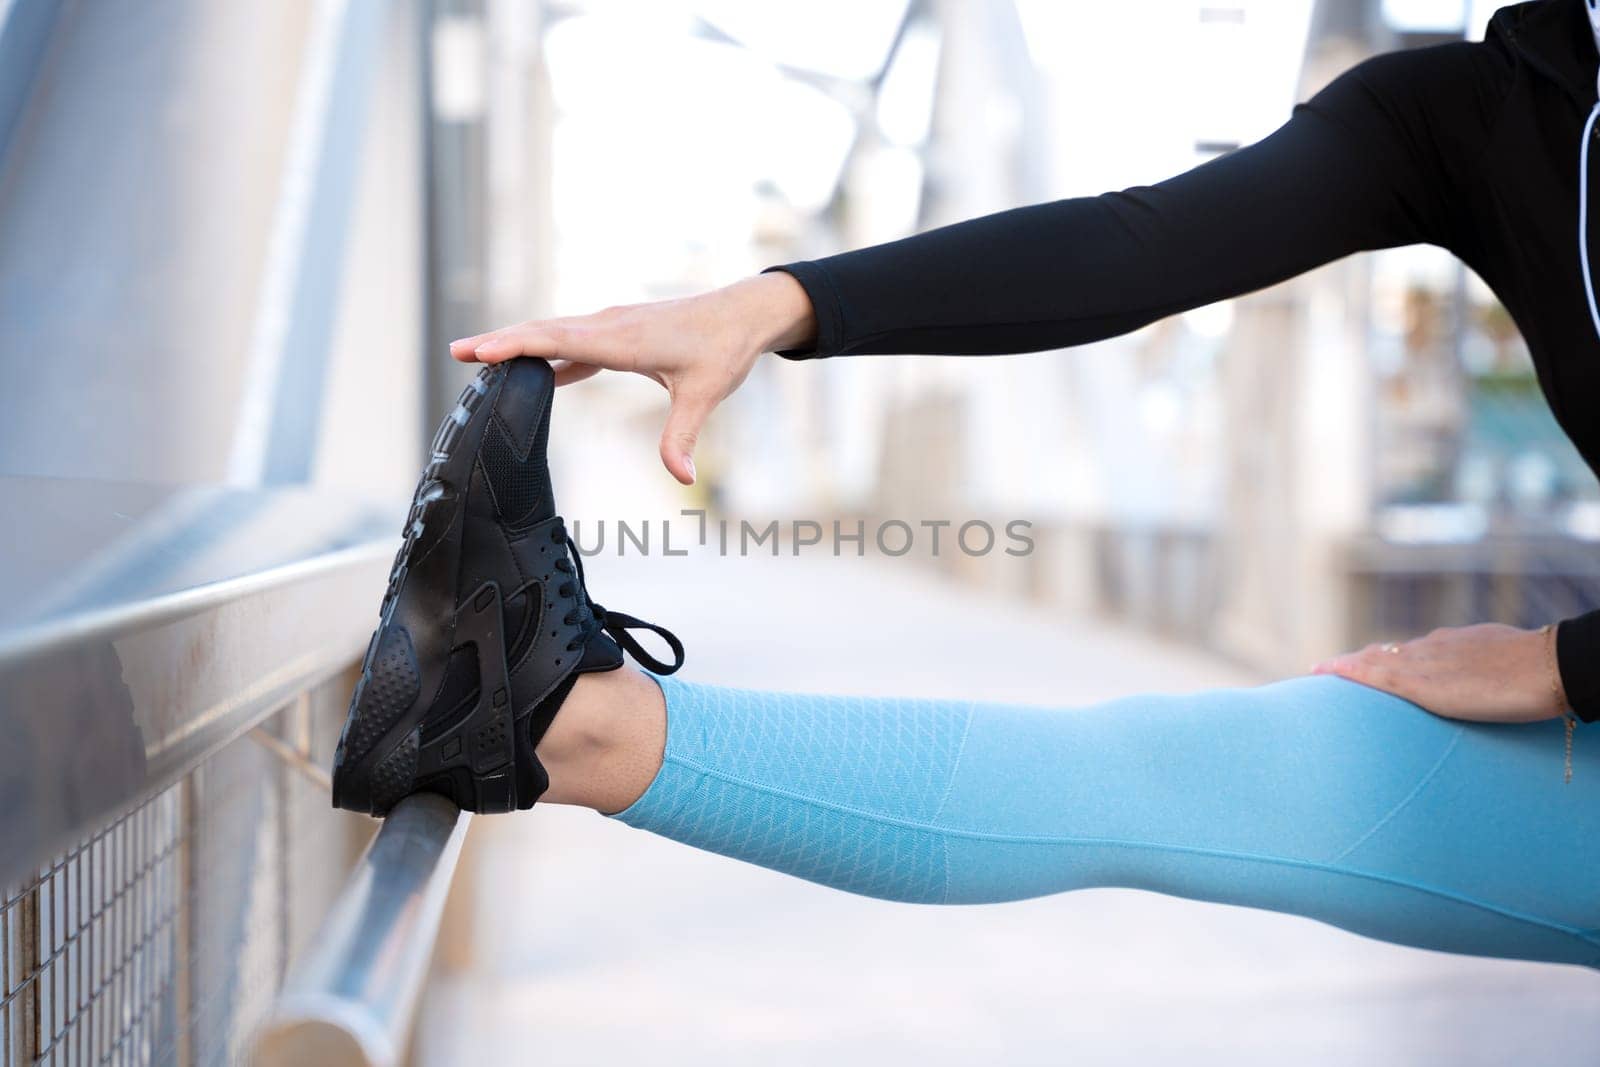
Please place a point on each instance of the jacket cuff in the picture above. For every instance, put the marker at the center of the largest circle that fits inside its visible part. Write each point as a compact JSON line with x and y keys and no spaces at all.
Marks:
{"x":1578,"y":660}
{"x":814,"y":279}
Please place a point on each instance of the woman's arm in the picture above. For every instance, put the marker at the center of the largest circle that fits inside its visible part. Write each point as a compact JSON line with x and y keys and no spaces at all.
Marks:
{"x":1379,"y":158}
{"x":1374,"y":160}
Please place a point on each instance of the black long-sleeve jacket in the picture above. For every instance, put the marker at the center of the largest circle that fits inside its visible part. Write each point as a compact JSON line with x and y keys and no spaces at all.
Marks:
{"x":1469,"y":146}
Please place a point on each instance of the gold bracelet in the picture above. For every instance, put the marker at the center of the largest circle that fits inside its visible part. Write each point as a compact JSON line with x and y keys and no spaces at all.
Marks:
{"x":1549,"y":632}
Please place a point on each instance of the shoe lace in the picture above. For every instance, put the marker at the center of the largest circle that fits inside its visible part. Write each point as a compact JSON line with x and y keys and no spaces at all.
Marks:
{"x":614,"y":623}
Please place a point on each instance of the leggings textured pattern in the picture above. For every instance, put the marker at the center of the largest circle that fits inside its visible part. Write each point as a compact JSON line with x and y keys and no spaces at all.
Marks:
{"x":1314,"y":796}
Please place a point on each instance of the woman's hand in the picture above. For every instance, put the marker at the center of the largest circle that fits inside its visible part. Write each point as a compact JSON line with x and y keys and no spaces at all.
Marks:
{"x":699,"y":348}
{"x":1485,"y":673}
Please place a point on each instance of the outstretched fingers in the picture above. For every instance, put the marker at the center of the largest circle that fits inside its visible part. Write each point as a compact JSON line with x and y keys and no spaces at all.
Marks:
{"x":465,"y":349}
{"x":1377,"y":665}
{"x":694,"y":348}
{"x":524,"y":339}
{"x":603,"y":340}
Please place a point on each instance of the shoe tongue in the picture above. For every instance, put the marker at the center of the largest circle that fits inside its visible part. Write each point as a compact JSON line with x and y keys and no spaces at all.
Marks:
{"x":600,"y":654}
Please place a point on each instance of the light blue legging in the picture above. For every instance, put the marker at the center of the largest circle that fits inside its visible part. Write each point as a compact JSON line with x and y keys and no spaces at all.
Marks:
{"x":1315,"y":796}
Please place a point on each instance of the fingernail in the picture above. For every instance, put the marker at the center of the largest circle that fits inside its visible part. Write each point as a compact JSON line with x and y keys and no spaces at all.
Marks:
{"x":688,"y":461}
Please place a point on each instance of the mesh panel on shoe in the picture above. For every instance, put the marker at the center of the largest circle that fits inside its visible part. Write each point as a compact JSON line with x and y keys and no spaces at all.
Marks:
{"x":521,"y":488}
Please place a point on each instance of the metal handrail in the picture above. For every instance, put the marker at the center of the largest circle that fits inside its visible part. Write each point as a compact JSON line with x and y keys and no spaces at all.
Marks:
{"x":352,"y":996}
{"x":146,"y":627}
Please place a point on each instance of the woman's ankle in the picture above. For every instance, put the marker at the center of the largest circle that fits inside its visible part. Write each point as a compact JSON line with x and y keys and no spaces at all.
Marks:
{"x":604,"y":747}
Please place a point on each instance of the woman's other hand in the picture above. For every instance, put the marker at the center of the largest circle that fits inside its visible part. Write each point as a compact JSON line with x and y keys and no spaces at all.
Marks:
{"x":699,"y":348}
{"x":1484,"y":673}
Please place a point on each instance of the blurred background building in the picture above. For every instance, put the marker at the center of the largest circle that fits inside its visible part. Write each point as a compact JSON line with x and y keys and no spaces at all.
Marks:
{"x":234,"y":239}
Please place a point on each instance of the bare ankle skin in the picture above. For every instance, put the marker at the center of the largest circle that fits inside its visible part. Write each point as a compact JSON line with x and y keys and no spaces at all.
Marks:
{"x":605,"y":746}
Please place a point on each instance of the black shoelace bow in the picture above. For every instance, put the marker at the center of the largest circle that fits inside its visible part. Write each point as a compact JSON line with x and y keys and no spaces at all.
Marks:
{"x":616,"y":624}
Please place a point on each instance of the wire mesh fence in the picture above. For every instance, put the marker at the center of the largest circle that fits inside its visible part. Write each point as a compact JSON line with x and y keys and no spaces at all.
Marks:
{"x":162,"y":937}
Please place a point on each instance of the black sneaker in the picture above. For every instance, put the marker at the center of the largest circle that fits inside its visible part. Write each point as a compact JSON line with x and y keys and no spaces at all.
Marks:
{"x":486,"y":624}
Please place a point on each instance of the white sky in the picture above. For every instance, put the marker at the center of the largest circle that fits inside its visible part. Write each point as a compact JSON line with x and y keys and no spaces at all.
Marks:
{"x":664,"y":137}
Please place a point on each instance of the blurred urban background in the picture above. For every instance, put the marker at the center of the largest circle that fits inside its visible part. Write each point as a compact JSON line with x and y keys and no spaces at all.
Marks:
{"x":235,"y":238}
{"x":1360,"y":453}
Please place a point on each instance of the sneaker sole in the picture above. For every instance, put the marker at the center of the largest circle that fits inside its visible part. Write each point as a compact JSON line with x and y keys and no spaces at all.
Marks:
{"x":389,"y":670}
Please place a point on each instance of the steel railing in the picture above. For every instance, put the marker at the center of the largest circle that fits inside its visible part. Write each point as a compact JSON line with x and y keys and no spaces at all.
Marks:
{"x":171,"y":695}
{"x":175,"y":659}
{"x":352,"y":995}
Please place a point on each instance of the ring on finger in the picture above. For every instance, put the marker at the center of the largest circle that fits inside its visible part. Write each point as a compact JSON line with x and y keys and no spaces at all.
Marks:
{"x":1391,"y":648}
